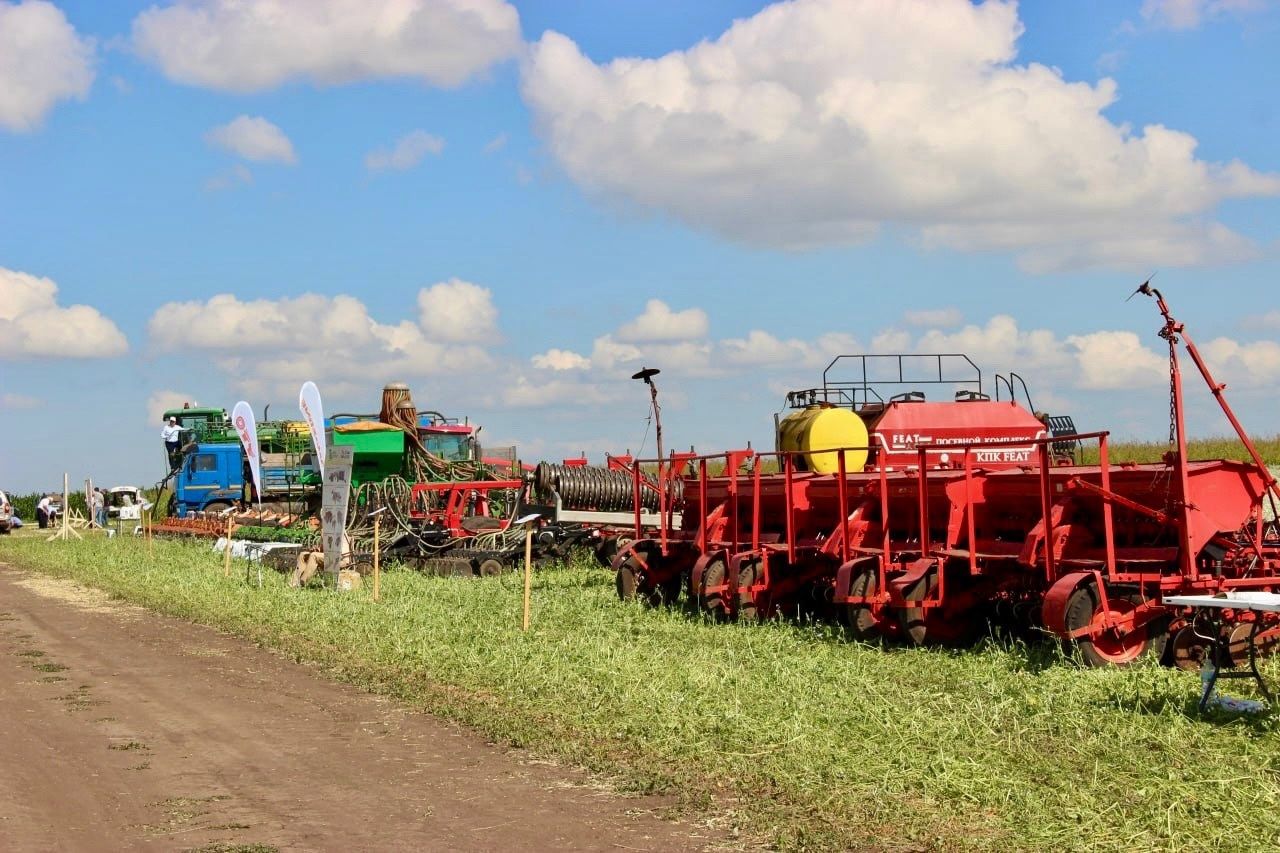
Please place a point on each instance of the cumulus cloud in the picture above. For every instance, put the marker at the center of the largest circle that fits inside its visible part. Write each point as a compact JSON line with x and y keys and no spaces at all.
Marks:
{"x":406,"y":153}
{"x":457,"y":310}
{"x":815,"y":122}
{"x":252,"y":45}
{"x":560,"y":359}
{"x":33,"y":324}
{"x":762,"y":349}
{"x":272,"y":345}
{"x":525,"y":393}
{"x":660,"y":323}
{"x":42,"y":61}
{"x":161,"y":401}
{"x":1114,"y":360}
{"x":253,"y":138}
{"x":1255,"y":364}
{"x":1190,"y":14}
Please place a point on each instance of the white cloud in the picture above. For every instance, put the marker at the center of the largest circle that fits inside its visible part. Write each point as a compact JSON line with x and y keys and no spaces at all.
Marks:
{"x":525,"y":393}
{"x":816,"y":121}
{"x":1269,"y":321}
{"x":238,"y":175}
{"x":660,"y":323}
{"x":1116,"y":360}
{"x":761,"y":349}
{"x":33,"y":324}
{"x":42,"y":61}
{"x":496,"y":144}
{"x":407,"y":152}
{"x":1251,"y":364}
{"x":161,"y":401}
{"x":941,"y":317}
{"x":252,"y":45}
{"x":560,"y":359}
{"x":459,"y":311}
{"x":19,"y":401}
{"x":1190,"y":14}
{"x":270,"y":346}
{"x":253,"y":138}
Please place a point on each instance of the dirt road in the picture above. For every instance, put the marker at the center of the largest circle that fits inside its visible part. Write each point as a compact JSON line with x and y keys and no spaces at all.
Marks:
{"x":122,"y":730}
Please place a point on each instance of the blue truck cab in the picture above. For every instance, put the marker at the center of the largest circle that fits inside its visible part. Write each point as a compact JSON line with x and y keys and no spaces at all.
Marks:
{"x":212,"y":476}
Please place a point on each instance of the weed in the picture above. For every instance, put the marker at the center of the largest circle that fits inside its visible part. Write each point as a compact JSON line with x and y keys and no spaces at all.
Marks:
{"x":129,"y":746}
{"x":49,"y":667}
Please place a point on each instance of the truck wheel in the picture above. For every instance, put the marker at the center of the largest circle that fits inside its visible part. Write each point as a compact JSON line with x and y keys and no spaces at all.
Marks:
{"x":217,"y":506}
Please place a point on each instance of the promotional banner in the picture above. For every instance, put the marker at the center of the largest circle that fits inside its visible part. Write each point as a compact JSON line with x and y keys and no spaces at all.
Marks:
{"x":313,"y":413}
{"x":333,"y":508}
{"x":247,"y":428}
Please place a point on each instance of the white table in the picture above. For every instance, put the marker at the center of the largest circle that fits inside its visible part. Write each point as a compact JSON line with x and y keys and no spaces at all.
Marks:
{"x":1258,"y":602}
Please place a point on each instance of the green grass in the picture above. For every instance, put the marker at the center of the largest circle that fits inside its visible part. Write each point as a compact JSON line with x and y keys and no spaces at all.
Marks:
{"x":779,"y":732}
{"x":1197,"y":448}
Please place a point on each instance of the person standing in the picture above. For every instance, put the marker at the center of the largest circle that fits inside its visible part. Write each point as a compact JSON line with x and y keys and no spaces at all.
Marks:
{"x":172,"y":435}
{"x":42,"y":512}
{"x":99,"y":508}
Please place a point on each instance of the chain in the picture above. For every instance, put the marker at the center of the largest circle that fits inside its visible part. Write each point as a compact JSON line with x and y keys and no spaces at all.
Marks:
{"x":1173,"y":396}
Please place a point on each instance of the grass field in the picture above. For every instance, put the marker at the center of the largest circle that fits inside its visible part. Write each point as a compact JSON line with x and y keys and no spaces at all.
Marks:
{"x":1198,"y":448}
{"x":783,"y":733}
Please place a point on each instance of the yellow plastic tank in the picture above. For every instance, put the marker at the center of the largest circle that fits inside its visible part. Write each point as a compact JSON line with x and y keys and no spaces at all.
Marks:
{"x":816,"y":431}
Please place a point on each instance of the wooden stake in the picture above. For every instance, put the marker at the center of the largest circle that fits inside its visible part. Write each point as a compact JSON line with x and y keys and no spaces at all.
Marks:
{"x":377,"y":524}
{"x":226,"y":555}
{"x":66,"y":531}
{"x":528,"y":570}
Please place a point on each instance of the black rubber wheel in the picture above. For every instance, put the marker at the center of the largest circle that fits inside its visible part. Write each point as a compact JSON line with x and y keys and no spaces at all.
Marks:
{"x":217,"y":506}
{"x":914,"y":620}
{"x":712,"y":604}
{"x":626,"y":581}
{"x":1108,"y":649}
{"x":862,"y":621}
{"x":747,"y":572}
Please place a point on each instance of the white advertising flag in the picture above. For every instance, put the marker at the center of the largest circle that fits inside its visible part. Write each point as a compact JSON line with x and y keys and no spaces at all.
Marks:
{"x":247,"y":428}
{"x":313,"y":413}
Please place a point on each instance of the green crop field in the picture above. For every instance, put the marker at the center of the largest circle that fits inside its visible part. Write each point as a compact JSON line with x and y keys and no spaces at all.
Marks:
{"x":785,"y":734}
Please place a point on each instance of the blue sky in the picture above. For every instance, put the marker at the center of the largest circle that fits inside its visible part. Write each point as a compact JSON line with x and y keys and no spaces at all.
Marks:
{"x":645,"y":185}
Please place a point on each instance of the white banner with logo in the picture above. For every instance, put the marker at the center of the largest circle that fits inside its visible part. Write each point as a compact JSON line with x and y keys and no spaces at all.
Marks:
{"x":247,"y":428}
{"x":312,"y":409}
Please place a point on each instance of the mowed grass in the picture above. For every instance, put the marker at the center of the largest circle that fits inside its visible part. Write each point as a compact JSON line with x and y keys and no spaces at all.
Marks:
{"x":780,"y":734}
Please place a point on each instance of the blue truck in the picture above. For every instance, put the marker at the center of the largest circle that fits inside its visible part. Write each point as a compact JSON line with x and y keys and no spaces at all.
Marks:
{"x":215,"y":476}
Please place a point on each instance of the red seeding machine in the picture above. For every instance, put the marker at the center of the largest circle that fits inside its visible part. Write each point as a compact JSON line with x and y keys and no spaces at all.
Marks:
{"x":927,"y":520}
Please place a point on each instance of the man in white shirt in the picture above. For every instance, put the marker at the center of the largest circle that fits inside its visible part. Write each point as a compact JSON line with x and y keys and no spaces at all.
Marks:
{"x":42,"y":512}
{"x":171,"y":433}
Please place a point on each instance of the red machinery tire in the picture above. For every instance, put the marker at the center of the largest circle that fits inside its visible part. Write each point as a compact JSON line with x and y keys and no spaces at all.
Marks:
{"x":1105,"y":648}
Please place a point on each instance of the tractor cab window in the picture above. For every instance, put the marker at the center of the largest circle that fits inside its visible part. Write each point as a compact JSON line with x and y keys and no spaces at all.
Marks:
{"x":204,"y":462}
{"x":452,"y":447}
